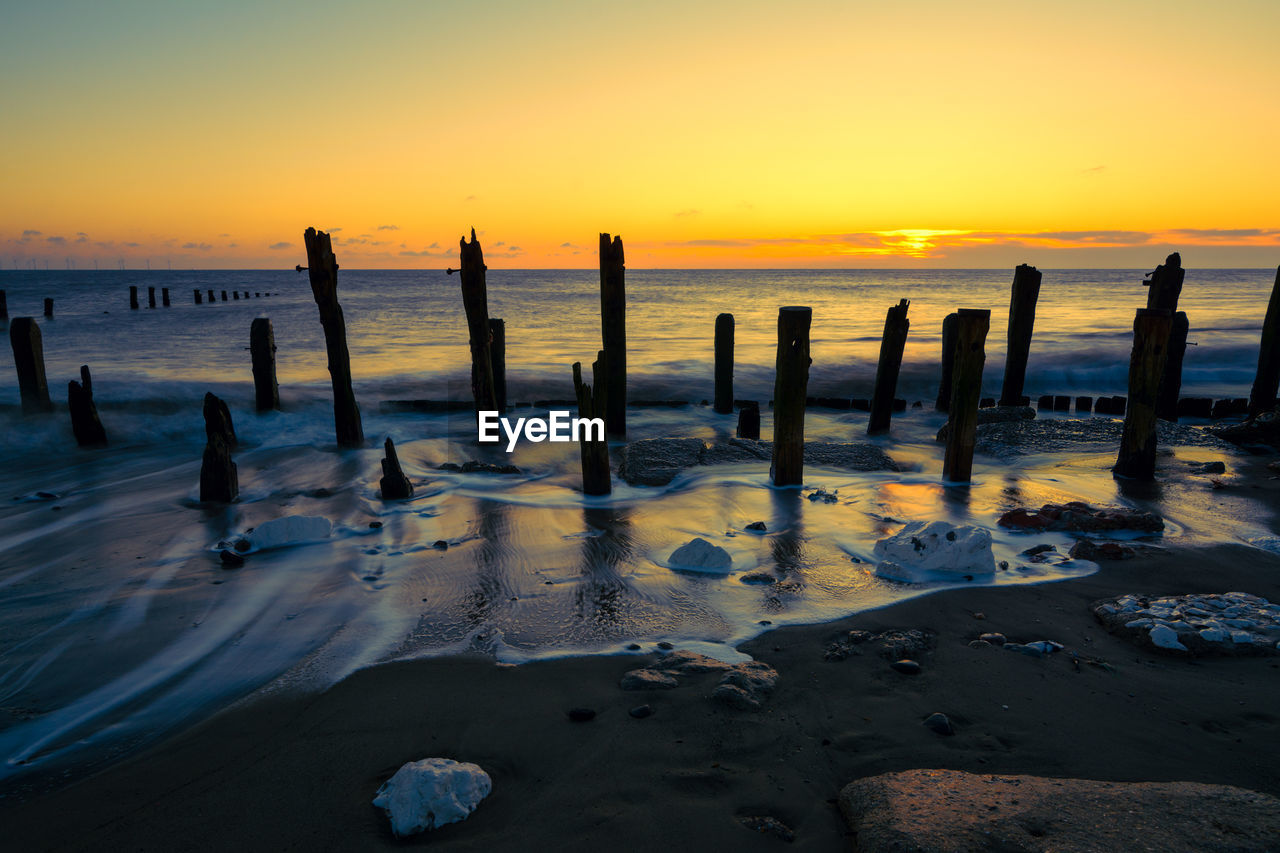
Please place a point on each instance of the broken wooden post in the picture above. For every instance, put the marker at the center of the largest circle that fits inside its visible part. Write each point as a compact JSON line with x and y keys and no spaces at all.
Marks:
{"x":133,"y":297}
{"x":196,"y":293}
{"x":1022,"y":318}
{"x":972,"y":325}
{"x":498,"y":360}
{"x":4,"y":307}
{"x":28,"y":358}
{"x":235,"y":295}
{"x":246,"y":294}
{"x":322,"y":269}
{"x":1137,"y":457}
{"x":219,"y":482}
{"x":790,"y":385}
{"x":948,"y":361}
{"x":613,"y":332}
{"x":262,"y":354}
{"x":892,"y":344}
{"x":1262,"y":398}
{"x":594,"y":448}
{"x":212,"y":299}
{"x":394,"y":484}
{"x":224,"y":296}
{"x":749,"y":421}
{"x":85,"y":422}
{"x":151,"y":297}
{"x":1166,"y":284}
{"x":48,"y":307}
{"x":475,"y":300}
{"x":164,"y":297}
{"x":1171,"y":381}
{"x":724,"y":364}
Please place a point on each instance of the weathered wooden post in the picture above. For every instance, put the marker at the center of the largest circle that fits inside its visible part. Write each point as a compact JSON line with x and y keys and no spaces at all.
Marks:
{"x":892,"y":344}
{"x":48,"y":307}
{"x":498,"y":360}
{"x":596,"y":479}
{"x":322,"y":269}
{"x":1022,"y":318}
{"x":972,"y":325}
{"x":151,"y":297}
{"x":4,"y":307}
{"x":394,"y":484}
{"x":790,"y":385}
{"x":1171,"y":381}
{"x":948,"y":362}
{"x":196,"y":293}
{"x":235,"y":295}
{"x":85,"y":422}
{"x":1137,"y":457}
{"x":246,"y":294}
{"x":133,"y":297}
{"x":219,"y":481}
{"x":613,"y":332}
{"x":749,"y":421}
{"x":1164,"y":288}
{"x":262,"y":354}
{"x":224,"y":296}
{"x":475,"y":301}
{"x":1262,"y":398}
{"x":28,"y":358}
{"x":724,"y":364}
{"x":1166,"y":284}
{"x":164,"y":297}
{"x":212,"y":299}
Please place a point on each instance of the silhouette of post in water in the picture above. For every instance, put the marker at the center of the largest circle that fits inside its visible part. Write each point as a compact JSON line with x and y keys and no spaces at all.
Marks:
{"x":475,"y":300}
{"x":151,"y":297}
{"x":613,"y":333}
{"x":790,"y":385}
{"x":971,"y":327}
{"x":133,"y":297}
{"x":1022,"y":319}
{"x":28,"y":358}
{"x":211,"y":298}
{"x":4,"y":307}
{"x":394,"y":484}
{"x":892,"y":344}
{"x":498,"y":360}
{"x":948,"y":362}
{"x":164,"y":297}
{"x":219,"y":481}
{"x":322,"y":269}
{"x":1165,"y":287}
{"x":48,"y":307}
{"x":1262,"y":398}
{"x":85,"y":422}
{"x":724,"y":364}
{"x":196,"y":293}
{"x":1137,"y":457}
{"x":596,"y":478}
{"x":749,"y":421}
{"x":262,"y":354}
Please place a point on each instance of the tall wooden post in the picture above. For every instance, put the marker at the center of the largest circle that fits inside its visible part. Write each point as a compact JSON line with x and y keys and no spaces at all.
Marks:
{"x":596,"y":478}
{"x":28,"y":358}
{"x":1022,"y":318}
{"x":198,"y":298}
{"x":164,"y":297}
{"x":224,"y":296}
{"x":613,"y":332}
{"x":724,"y":364}
{"x":948,"y":363}
{"x":892,"y":344}
{"x":262,"y":354}
{"x":498,"y":359}
{"x":48,"y":307}
{"x":322,"y":269}
{"x":790,"y":386}
{"x":219,"y":480}
{"x":133,"y":297}
{"x":1267,"y":380}
{"x":395,"y":486}
{"x":972,"y":325}
{"x":151,"y":297}
{"x":475,"y":301}
{"x":1137,"y":457}
{"x":1171,"y":380}
{"x":85,"y":422}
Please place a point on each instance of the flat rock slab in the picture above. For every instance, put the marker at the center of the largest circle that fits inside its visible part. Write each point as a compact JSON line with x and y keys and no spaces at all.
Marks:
{"x":947,"y":811}
{"x":1233,"y":623}
{"x":1053,"y":435}
{"x":657,"y":461}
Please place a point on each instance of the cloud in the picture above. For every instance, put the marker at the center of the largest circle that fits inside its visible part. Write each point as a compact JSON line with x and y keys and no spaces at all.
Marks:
{"x":134,"y":245}
{"x":499,"y":243}
{"x":82,"y":237}
{"x":471,"y":198}
{"x":567,"y":245}
{"x":57,"y":241}
{"x":409,"y":253}
{"x":1094,"y":170}
{"x":515,"y":249}
{"x":388,"y":227}
{"x":334,"y":230}
{"x":31,"y":232}
{"x":434,"y":246}
{"x":691,"y":211}
{"x":281,"y":245}
{"x":204,"y":247}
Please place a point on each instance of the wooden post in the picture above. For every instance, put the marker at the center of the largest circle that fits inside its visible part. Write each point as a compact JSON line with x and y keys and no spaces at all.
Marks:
{"x":133,"y":297}
{"x":28,"y":358}
{"x":151,"y":297}
{"x":948,"y":362}
{"x":164,"y":297}
{"x":749,"y":421}
{"x":1265,"y":382}
{"x":1022,"y":318}
{"x":199,"y":300}
{"x":4,"y":307}
{"x":972,"y":325}
{"x":475,"y":300}
{"x":246,"y":294}
{"x":48,"y":307}
{"x":219,"y":481}
{"x":235,"y":295}
{"x":322,"y":269}
{"x":613,"y":332}
{"x":498,"y":360}
{"x":1166,"y":284}
{"x":211,"y":297}
{"x":1171,"y":381}
{"x":1137,"y":457}
{"x":724,"y":364}
{"x":85,"y":422}
{"x":892,"y":344}
{"x":262,"y":354}
{"x":596,"y":478}
{"x":394,"y":484}
{"x":790,"y":385}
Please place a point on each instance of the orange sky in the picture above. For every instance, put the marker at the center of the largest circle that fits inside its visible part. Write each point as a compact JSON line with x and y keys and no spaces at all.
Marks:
{"x":708,"y":134}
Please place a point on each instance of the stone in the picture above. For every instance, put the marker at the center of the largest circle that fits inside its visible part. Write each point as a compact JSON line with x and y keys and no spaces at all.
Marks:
{"x":757,"y":577}
{"x":1093,"y":551}
{"x":993,"y":638}
{"x":736,"y":697}
{"x":939,"y":723}
{"x":641,"y":711}
{"x":700,"y":555}
{"x":581,"y":715}
{"x":440,"y":545}
{"x":1081,"y":517}
{"x":289,"y":530}
{"x":757,"y":527}
{"x":648,"y":679}
{"x":924,"y":549}
{"x":1199,"y":624}
{"x":766,"y":825}
{"x":906,"y":667}
{"x":230,"y":559}
{"x":432,"y":792}
{"x":473,"y":466}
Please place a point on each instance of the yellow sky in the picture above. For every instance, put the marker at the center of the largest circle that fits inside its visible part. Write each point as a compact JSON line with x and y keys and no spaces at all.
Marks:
{"x":707,"y":134}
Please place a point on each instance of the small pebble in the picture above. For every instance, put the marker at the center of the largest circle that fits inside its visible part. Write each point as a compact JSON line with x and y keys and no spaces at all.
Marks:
{"x":231,"y":560}
{"x":374,"y":525}
{"x":633,"y":647}
{"x":906,"y":667}
{"x":440,"y":545}
{"x":757,"y":527}
{"x":939,"y":723}
{"x":665,"y":646}
{"x":641,"y":711}
{"x":581,"y":715}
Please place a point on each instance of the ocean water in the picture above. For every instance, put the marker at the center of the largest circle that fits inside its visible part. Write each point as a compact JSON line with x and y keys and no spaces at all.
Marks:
{"x":117,"y":623}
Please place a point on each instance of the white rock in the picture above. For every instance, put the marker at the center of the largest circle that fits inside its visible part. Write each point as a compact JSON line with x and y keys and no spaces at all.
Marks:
{"x":290,"y":530}
{"x":432,"y":792}
{"x":1241,"y":637}
{"x":701,"y":555}
{"x":1213,"y":635}
{"x":922,"y":548}
{"x":1166,"y":638}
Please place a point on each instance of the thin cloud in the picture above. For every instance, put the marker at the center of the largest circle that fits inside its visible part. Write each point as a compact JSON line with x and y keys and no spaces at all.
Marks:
{"x":691,"y":211}
{"x":203,"y":247}
{"x":281,"y":245}
{"x":57,"y":241}
{"x":388,"y":227}
{"x":31,"y":232}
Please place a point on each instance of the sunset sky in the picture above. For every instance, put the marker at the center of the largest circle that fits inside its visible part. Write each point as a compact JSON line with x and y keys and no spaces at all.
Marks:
{"x":707,"y":134}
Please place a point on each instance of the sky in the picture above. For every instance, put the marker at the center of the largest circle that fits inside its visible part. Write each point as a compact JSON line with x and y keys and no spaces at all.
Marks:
{"x":708,"y":134}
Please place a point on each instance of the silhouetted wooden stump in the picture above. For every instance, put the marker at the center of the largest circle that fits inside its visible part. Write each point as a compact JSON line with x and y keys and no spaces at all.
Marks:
{"x":212,"y":299}
{"x":394,"y":484}
{"x":28,"y":358}
{"x":219,"y":481}
{"x":322,"y":268}
{"x":85,"y":422}
{"x":235,"y":296}
{"x":196,"y":294}
{"x":262,"y":353}
{"x":1171,"y":380}
{"x":48,"y":308}
{"x":596,"y":479}
{"x":498,"y":360}
{"x":1022,"y":319}
{"x":133,"y":297}
{"x":475,"y":300}
{"x":749,"y":421}
{"x":613,"y":332}
{"x":1165,"y":284}
{"x":948,"y":363}
{"x":151,"y":297}
{"x":4,"y":307}
{"x":972,"y":325}
{"x":1137,"y":456}
{"x":224,"y":296}
{"x":724,"y":364}
{"x":1262,"y":398}
{"x":164,"y":297}
{"x":790,"y":385}
{"x":892,"y":344}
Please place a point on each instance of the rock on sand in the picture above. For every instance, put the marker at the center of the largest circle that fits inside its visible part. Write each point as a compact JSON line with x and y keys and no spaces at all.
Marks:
{"x":432,"y":792}
{"x":935,"y":547}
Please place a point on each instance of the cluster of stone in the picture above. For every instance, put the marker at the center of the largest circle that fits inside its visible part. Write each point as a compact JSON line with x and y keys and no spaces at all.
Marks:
{"x":744,"y":685}
{"x":1080,"y":517}
{"x":1233,"y":623}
